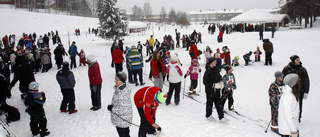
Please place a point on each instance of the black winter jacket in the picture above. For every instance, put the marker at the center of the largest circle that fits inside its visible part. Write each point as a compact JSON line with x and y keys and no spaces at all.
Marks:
{"x":65,"y":78}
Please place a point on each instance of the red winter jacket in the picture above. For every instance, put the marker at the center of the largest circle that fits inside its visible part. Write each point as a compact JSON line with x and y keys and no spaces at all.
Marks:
{"x":144,"y":97}
{"x":195,"y":50}
{"x":221,"y":34}
{"x":155,"y":70}
{"x":94,"y":73}
{"x":117,"y":56}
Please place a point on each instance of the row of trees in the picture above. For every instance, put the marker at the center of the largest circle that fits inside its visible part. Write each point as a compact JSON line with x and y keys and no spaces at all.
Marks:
{"x":301,"y":9}
{"x":77,"y":7}
{"x":145,"y":13}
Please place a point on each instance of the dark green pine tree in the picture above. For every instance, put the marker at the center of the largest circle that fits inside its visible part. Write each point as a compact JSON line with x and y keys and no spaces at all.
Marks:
{"x":111,"y":26}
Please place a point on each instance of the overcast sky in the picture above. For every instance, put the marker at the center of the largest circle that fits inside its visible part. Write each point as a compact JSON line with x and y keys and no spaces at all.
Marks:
{"x":196,"y":5}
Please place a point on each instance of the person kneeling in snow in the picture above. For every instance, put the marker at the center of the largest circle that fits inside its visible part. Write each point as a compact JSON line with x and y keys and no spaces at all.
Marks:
{"x":147,"y":100}
{"x":246,"y":58}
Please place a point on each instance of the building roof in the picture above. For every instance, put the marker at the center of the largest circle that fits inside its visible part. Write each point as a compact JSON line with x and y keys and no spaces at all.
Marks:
{"x":257,"y":16}
{"x":216,"y":11}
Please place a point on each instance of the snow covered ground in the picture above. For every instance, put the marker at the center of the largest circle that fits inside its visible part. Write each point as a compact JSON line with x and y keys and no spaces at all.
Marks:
{"x":187,"y":119}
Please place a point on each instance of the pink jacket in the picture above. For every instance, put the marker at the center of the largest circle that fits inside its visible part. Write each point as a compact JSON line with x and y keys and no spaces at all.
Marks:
{"x":193,"y":71}
{"x":94,"y":74}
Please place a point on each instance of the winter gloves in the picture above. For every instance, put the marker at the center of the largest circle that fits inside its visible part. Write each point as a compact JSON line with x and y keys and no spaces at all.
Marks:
{"x":219,"y":85}
{"x":110,"y":107}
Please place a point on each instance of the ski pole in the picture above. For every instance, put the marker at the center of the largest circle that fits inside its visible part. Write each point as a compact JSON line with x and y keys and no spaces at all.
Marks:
{"x":271,"y":119}
{"x":126,"y":120}
{"x":200,"y":82}
{"x":184,"y":88}
{"x":226,"y":95}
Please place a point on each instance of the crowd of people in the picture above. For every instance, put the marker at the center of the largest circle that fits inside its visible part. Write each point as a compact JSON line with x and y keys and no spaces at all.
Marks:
{"x":291,"y":85}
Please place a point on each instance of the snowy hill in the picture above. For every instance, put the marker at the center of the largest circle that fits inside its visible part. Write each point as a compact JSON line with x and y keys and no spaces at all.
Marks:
{"x":187,"y":119}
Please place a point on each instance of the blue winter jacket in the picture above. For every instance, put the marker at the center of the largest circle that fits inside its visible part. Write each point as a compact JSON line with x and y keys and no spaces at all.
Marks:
{"x":73,"y":51}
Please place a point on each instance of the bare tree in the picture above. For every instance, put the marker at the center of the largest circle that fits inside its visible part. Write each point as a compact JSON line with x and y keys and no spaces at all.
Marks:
{"x":137,"y":13}
{"x":147,"y":10}
{"x":172,"y":15}
{"x":163,"y":14}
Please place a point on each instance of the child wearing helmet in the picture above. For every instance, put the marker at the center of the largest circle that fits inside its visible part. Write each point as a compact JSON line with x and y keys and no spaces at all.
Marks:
{"x":235,"y":61}
{"x":193,"y":71}
{"x":35,"y":101}
{"x":246,"y":58}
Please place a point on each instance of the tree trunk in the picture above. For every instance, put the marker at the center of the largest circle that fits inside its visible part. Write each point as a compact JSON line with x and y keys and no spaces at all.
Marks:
{"x":311,"y":22}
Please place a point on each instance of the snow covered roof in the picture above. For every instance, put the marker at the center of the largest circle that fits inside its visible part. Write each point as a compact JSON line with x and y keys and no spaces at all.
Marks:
{"x":217,"y":11}
{"x":257,"y":16}
{"x":136,"y":24}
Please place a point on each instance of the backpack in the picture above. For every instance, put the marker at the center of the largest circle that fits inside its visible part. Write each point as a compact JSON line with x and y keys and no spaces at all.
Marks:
{"x":13,"y":114}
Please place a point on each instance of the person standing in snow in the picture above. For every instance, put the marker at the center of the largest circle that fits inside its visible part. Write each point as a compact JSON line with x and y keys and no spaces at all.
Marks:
{"x":257,"y":54}
{"x":82,"y":56}
{"x":136,"y":64}
{"x":213,"y":84}
{"x":193,"y":71}
{"x":275,"y":91}
{"x":35,"y":101}
{"x":151,"y":41}
{"x":67,"y":82}
{"x":174,"y":72}
{"x":194,"y":52}
{"x":59,"y":52}
{"x":95,"y":82}
{"x":147,"y":100}
{"x":121,"y":107}
{"x":73,"y":52}
{"x":226,"y":55}
{"x":288,"y":118}
{"x":268,"y":48}
{"x":261,"y":32}
{"x":295,"y":66}
{"x":219,"y":56}
{"x":229,"y":82}
{"x":117,"y":57}
{"x":158,"y":69}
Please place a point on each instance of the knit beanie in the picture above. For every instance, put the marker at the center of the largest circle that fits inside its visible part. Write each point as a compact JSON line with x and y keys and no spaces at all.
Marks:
{"x":65,"y":65}
{"x":122,"y":76}
{"x":290,"y":79}
{"x":194,"y":61}
{"x":227,"y":68}
{"x":161,"y":97}
{"x":278,"y":74}
{"x":294,"y":57}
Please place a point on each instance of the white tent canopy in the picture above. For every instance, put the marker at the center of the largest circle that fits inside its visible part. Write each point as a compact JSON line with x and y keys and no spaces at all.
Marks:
{"x":256,"y":16}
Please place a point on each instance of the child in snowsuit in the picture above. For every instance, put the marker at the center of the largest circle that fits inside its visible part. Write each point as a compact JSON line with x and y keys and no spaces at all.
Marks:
{"x":174,"y":72}
{"x":82,"y":56}
{"x":275,"y":91}
{"x":246,"y":58}
{"x":166,"y":61}
{"x":193,"y":71}
{"x":226,"y":54}
{"x":35,"y":101}
{"x":219,"y":56}
{"x":235,"y":61}
{"x":257,"y":54}
{"x":229,"y":82}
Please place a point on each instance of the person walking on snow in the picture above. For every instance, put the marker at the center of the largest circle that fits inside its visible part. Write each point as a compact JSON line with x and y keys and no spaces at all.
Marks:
{"x":147,"y":100}
{"x":268,"y":48}
{"x":121,"y":107}
{"x":174,"y":72}
{"x":95,"y":82}
{"x":117,"y":57}
{"x":73,"y":52}
{"x":275,"y":91}
{"x":213,"y":84}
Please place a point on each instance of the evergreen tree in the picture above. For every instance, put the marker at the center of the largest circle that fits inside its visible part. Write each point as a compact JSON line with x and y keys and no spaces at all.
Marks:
{"x":111,"y":26}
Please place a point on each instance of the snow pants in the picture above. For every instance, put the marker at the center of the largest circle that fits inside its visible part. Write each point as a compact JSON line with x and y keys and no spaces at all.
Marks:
{"x":135,"y":73}
{"x":37,"y":122}
{"x":68,"y":99}
{"x":174,"y":87}
{"x":268,"y":59}
{"x":145,"y":126}
{"x":73,"y":62}
{"x":118,"y":67}
{"x":194,"y":84}
{"x":227,"y":95}
{"x":213,"y":95}
{"x":123,"y":132}
{"x":96,"y":95}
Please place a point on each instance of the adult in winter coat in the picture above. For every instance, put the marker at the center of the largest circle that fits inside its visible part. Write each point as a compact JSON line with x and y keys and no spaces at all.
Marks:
{"x":121,"y":107}
{"x":4,"y":79}
{"x":151,"y":42}
{"x":147,"y":100}
{"x":114,"y":44}
{"x":46,"y":40}
{"x":261,"y":33}
{"x":67,"y":82}
{"x":194,"y":52}
{"x":275,"y":91}
{"x":45,"y":61}
{"x":24,"y":74}
{"x":213,"y":84}
{"x":73,"y":52}
{"x":59,"y":52}
{"x":136,"y":64}
{"x":174,"y":72}
{"x":288,"y":119}
{"x":117,"y":58}
{"x":268,"y":48}
{"x":295,"y":66}
{"x":95,"y":82}
{"x":158,"y":69}
{"x":130,"y":72}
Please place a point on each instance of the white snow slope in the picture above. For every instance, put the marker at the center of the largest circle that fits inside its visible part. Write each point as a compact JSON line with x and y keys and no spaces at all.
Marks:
{"x":187,"y":119}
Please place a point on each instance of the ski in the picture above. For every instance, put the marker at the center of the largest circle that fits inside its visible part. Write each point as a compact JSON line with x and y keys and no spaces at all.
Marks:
{"x":191,"y":97}
{"x":225,"y":112}
{"x":6,"y":127}
{"x":254,"y":120}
